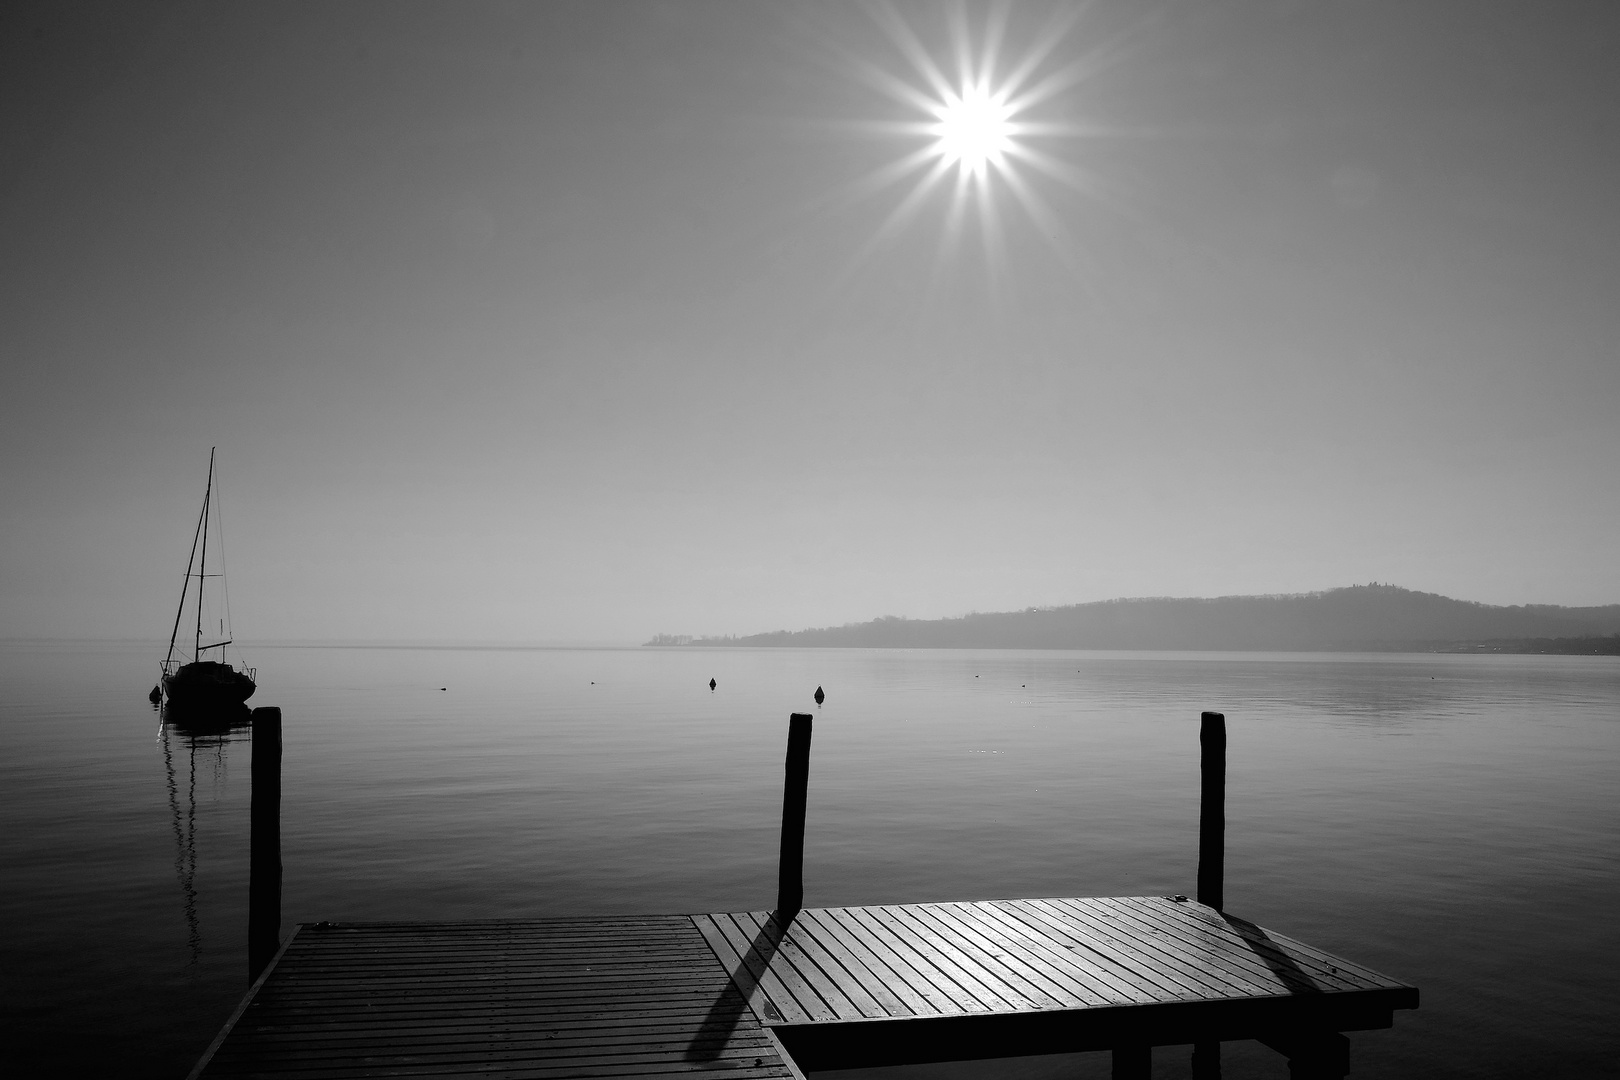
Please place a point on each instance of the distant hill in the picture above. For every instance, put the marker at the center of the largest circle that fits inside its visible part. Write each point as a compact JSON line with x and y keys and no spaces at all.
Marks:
{"x":1361,"y":617}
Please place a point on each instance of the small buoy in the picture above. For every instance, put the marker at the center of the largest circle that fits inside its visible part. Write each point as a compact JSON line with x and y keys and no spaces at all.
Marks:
{"x":820,"y":697}
{"x":156,"y":695}
{"x":444,"y":688}
{"x":711,"y":686}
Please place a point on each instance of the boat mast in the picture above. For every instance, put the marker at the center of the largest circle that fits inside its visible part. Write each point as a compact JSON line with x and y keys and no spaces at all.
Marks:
{"x":191,"y":561}
{"x":202,"y":565}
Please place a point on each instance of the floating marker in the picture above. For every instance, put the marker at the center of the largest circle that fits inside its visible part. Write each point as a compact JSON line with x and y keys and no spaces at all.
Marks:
{"x":711,"y":686}
{"x":820,"y":697}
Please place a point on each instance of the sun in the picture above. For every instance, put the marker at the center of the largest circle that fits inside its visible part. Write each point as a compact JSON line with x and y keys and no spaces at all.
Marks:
{"x":974,"y":130}
{"x":981,"y":126}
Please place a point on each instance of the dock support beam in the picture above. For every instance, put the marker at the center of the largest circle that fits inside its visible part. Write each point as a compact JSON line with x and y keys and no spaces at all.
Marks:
{"x":790,"y":871}
{"x":1206,"y":1060}
{"x":1132,"y":1062}
{"x":1212,"y":811}
{"x":1313,"y":1056}
{"x":264,"y":830}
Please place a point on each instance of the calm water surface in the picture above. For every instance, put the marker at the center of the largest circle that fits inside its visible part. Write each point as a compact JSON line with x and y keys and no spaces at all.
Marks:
{"x":1450,"y":820}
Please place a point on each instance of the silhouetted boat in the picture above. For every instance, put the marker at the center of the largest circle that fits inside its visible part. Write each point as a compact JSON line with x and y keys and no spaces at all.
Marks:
{"x":207,"y":722}
{"x":203,"y":685}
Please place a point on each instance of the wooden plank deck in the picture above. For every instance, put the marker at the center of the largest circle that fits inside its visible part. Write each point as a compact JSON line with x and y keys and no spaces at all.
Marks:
{"x":839,"y":987}
{"x":552,"y":998}
{"x":951,"y":981}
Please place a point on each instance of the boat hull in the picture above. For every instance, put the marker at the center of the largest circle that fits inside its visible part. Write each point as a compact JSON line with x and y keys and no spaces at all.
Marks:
{"x":206,"y":684}
{"x":207,"y":721}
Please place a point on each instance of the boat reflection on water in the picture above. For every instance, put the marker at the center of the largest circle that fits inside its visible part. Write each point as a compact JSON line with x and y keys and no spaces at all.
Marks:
{"x":209,"y":723}
{"x":195,"y":732}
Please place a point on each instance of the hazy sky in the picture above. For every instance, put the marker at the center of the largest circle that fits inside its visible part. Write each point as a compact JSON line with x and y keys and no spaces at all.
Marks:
{"x":546,"y":322}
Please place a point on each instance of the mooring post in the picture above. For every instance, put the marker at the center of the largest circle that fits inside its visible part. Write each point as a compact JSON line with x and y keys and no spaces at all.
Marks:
{"x":1206,"y":1058}
{"x":264,"y":830}
{"x":790,"y":871}
{"x":1212,"y":810}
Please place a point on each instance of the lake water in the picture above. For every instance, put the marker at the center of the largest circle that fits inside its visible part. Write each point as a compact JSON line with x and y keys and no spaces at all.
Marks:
{"x":1449,"y":820}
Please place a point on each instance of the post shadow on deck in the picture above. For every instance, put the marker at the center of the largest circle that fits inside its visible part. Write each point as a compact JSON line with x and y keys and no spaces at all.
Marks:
{"x":709,"y":1041}
{"x":264,"y":832}
{"x":742,"y":980}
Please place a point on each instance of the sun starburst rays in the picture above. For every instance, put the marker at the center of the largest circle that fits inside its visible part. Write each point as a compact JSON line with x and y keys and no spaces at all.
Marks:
{"x":985,"y":130}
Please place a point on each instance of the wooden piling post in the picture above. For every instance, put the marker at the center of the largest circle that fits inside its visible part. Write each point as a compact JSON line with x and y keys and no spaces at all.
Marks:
{"x":264,"y":829}
{"x":1321,"y":1055}
{"x":795,"y":790}
{"x":1132,"y":1062}
{"x":1212,"y":810}
{"x":1206,"y":1060}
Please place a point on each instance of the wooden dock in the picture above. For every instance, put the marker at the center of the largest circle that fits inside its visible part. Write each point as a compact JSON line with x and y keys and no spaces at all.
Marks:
{"x":779,"y":993}
{"x":899,"y":984}
{"x":838,"y":988}
{"x":619,"y":997}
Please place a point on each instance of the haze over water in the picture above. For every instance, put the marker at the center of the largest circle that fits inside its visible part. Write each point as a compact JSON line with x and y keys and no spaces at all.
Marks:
{"x":1448,"y":820}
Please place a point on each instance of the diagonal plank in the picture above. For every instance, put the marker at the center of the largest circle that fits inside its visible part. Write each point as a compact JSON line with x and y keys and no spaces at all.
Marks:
{"x":839,"y":985}
{"x":759,"y":981}
{"x":1149,"y":951}
{"x":992,"y":964}
{"x":888,"y":993}
{"x":1009,"y":957}
{"x":884,"y":977}
{"x":978,"y":931}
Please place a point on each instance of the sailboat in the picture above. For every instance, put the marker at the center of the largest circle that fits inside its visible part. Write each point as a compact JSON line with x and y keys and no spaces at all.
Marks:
{"x":203,"y":683}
